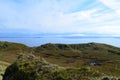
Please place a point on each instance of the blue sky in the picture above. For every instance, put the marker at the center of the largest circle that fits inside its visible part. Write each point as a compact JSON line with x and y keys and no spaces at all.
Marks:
{"x":81,"y":17}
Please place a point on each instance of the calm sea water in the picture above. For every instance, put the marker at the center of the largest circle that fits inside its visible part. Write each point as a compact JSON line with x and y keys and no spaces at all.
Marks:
{"x":40,"y":41}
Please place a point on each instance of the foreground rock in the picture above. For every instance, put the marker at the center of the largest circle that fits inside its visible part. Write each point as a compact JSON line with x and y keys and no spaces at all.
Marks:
{"x":32,"y":68}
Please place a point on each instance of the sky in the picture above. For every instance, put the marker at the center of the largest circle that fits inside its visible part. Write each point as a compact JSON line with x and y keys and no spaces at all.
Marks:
{"x":80,"y":17}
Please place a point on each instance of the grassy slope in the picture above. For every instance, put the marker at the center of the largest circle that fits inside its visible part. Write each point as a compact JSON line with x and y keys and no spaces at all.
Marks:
{"x":9,"y":51}
{"x":72,"y":55}
{"x":32,"y":68}
{"x":75,"y":55}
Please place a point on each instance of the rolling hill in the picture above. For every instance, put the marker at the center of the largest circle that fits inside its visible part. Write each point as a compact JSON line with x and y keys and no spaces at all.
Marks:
{"x":101,"y":57}
{"x":9,"y":51}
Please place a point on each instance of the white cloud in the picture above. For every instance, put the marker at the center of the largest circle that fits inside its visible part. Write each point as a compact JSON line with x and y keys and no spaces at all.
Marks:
{"x":113,"y":4}
{"x":57,"y":17}
{"x":110,"y":30}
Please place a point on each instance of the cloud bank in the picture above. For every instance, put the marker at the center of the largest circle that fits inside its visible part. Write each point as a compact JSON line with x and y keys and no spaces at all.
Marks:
{"x":60,"y":16}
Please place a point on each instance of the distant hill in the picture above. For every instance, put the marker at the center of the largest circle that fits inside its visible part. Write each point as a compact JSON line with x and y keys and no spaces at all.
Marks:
{"x":102,"y":57}
{"x":99,"y":56}
{"x":9,"y":50}
{"x":92,"y":45}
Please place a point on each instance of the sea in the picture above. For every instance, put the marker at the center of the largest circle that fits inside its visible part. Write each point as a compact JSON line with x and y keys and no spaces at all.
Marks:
{"x":33,"y":41}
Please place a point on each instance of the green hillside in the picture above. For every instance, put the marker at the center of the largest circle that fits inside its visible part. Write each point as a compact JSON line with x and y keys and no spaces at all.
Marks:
{"x":9,"y":51}
{"x":100,"y":57}
{"x":32,"y":68}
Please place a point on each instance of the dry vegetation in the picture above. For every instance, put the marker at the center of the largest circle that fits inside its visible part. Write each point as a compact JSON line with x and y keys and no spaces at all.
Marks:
{"x":100,"y":57}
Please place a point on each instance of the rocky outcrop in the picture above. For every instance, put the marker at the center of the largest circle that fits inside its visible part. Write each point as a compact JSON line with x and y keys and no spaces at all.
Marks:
{"x":32,"y":68}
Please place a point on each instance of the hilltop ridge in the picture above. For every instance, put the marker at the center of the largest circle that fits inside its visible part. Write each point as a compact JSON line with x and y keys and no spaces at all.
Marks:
{"x":92,"y":45}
